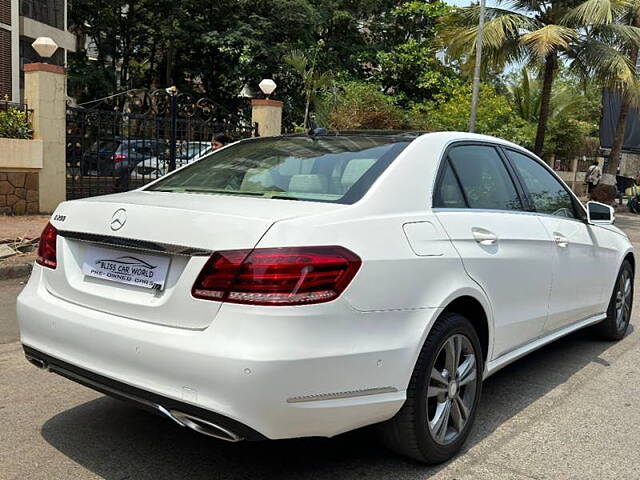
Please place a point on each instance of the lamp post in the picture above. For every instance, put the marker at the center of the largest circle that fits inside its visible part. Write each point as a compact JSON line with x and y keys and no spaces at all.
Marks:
{"x":267,"y":86}
{"x":45,"y":47}
{"x":173,"y":131}
{"x":476,"y":71}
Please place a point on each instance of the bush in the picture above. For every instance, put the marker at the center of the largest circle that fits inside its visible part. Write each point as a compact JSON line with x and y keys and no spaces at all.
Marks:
{"x":362,"y":106}
{"x":568,"y":137}
{"x":14,"y":124}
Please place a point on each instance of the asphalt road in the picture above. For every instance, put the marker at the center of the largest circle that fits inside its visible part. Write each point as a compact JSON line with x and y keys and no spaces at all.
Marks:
{"x":569,"y":410}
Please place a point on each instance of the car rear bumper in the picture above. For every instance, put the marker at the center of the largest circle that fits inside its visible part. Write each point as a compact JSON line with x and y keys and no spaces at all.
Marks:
{"x":228,"y":429}
{"x":274,"y":372}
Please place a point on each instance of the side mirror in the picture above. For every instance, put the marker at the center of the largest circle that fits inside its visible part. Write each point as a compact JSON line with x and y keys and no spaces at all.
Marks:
{"x":599,"y":214}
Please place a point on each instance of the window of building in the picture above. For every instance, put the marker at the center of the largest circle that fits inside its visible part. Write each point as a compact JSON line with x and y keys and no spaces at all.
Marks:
{"x":50,"y":12}
{"x":5,"y":64}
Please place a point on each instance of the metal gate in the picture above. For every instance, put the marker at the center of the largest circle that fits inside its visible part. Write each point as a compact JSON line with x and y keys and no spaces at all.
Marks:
{"x":130,"y":139}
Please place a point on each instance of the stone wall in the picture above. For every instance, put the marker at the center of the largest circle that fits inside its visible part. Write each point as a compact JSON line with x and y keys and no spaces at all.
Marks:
{"x":18,"y":193}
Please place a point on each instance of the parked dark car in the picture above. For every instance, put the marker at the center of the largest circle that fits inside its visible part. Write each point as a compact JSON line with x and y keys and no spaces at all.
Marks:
{"x":115,"y":156}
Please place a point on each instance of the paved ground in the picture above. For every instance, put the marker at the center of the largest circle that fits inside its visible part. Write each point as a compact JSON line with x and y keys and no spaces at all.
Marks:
{"x":569,"y":410}
{"x":9,"y":290}
{"x":25,"y":226}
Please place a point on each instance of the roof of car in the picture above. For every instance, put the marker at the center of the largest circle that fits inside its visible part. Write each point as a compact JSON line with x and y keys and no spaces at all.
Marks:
{"x":410,"y":135}
{"x":355,"y":132}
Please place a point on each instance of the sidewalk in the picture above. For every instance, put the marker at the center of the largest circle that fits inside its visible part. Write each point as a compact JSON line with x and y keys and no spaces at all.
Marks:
{"x":18,"y":240}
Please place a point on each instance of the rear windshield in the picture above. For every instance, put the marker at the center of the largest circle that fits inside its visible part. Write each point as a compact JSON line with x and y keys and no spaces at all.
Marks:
{"x":338,"y":169}
{"x":106,"y":146}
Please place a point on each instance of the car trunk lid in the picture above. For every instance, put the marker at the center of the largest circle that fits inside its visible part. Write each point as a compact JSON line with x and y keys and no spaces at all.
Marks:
{"x":149,"y":228}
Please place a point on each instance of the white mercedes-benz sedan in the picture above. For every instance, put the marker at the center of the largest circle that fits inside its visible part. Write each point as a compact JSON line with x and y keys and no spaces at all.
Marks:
{"x":309,"y":285}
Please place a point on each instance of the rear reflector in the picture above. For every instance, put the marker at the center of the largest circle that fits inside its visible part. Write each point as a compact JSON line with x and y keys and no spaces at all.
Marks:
{"x":47,"y":247}
{"x":277,"y":276}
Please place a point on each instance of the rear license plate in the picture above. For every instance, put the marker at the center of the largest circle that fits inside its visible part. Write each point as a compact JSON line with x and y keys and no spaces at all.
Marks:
{"x":132,"y":268}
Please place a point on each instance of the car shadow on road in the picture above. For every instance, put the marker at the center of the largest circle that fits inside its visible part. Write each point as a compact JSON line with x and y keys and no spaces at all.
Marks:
{"x":117,"y":441}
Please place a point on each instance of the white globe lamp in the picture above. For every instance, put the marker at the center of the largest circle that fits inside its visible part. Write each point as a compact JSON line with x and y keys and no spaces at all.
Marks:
{"x":267,"y":86}
{"x":45,"y":47}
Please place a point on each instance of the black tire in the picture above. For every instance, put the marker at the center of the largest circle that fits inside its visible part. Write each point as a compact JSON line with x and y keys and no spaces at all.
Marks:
{"x":408,"y":432}
{"x":613,"y":328}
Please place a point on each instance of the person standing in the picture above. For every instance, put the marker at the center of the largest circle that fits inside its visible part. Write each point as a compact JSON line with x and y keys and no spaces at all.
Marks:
{"x":593,"y":176}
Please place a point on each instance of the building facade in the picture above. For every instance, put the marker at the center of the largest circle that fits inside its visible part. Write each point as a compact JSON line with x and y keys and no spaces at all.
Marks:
{"x":21,"y":22}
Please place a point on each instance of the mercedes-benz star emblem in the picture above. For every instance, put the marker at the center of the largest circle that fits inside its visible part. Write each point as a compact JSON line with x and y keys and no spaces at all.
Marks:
{"x":118,"y":219}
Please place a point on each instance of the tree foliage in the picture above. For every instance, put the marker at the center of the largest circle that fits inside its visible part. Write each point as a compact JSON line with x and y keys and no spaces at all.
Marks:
{"x":218,"y":46}
{"x":496,"y":115}
{"x":407,"y":63}
{"x":544,"y":32}
{"x":372,"y":63}
{"x":313,"y":81}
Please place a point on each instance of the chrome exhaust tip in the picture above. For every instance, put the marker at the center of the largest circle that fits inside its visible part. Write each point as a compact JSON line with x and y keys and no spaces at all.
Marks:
{"x":205,"y":427}
{"x":41,"y":364}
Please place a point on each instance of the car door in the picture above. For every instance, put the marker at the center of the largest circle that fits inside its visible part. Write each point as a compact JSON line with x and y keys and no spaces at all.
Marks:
{"x":576,"y":289}
{"x":503,"y":248}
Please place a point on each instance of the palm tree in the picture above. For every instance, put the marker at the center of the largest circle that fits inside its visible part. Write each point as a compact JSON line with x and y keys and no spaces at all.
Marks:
{"x":614,"y":23}
{"x":536,"y":32}
{"x":313,"y":81}
{"x":525,"y":93}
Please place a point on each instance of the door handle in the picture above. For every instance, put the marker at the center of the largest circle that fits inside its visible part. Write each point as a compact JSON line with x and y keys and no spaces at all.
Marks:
{"x":484,"y":237}
{"x":560,"y":240}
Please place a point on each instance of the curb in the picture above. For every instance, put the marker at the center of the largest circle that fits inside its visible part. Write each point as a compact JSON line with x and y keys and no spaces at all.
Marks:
{"x":18,"y":270}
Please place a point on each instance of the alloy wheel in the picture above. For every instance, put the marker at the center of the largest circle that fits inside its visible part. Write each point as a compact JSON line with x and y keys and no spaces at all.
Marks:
{"x":624,"y":298}
{"x":452,"y":389}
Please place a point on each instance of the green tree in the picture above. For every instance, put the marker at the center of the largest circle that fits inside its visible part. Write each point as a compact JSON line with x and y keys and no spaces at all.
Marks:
{"x":209,"y":46}
{"x":496,"y":116}
{"x":613,"y":23}
{"x":406,"y":63}
{"x":313,"y":81}
{"x":569,"y":137}
{"x":352,"y":32}
{"x":538,"y":33}
{"x":567,"y":96}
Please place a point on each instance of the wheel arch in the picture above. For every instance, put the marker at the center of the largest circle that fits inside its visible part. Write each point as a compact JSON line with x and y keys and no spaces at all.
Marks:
{"x":632,"y":260}
{"x":472,"y":309}
{"x":471,"y":303}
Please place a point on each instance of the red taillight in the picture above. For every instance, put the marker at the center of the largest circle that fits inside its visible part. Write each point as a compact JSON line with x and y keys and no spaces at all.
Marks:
{"x":47,"y":247}
{"x":277,"y":276}
{"x":118,"y":157}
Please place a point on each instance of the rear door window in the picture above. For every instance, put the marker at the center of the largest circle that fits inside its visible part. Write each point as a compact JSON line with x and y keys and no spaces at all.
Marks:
{"x":484,"y":179}
{"x":449,"y":193}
